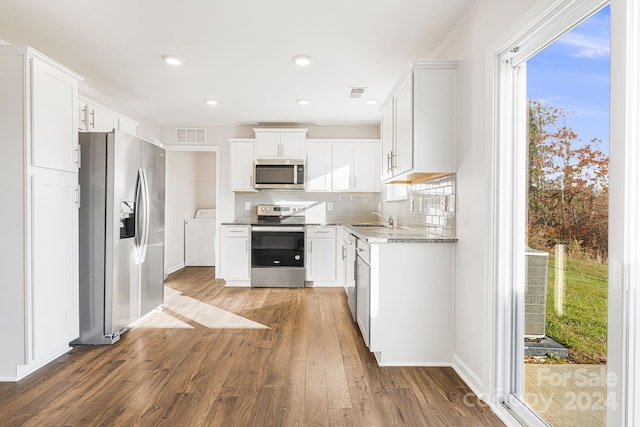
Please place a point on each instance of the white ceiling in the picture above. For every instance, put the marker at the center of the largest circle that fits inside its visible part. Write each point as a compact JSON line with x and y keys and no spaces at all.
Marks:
{"x":237,"y":52}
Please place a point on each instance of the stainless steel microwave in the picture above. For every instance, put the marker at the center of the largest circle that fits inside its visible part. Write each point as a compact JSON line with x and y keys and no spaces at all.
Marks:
{"x":279,"y":174}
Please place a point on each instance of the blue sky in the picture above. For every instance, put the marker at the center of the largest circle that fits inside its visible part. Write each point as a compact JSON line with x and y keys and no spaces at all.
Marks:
{"x":573,"y":73}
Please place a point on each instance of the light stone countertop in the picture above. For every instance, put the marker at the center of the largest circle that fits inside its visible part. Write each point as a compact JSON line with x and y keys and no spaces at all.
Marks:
{"x":372,"y":233}
{"x":379,"y":233}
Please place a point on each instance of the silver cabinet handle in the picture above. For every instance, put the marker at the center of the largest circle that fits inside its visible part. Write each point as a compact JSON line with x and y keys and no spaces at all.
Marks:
{"x":394,"y":157}
{"x":310,"y":246}
{"x":389,"y":161}
{"x":93,"y":118}
{"x":246,"y":246}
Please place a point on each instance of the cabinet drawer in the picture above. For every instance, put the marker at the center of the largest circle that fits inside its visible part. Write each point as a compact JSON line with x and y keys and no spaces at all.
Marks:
{"x":321,"y":232}
{"x":235,"y":231}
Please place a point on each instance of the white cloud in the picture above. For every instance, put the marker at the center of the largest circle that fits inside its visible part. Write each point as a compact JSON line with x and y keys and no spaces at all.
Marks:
{"x":587,"y":46}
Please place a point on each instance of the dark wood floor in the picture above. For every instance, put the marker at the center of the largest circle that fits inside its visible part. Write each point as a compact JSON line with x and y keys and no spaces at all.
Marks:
{"x":221,"y":356}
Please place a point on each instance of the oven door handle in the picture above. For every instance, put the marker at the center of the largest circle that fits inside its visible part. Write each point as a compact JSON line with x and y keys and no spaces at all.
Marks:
{"x":283,"y":228}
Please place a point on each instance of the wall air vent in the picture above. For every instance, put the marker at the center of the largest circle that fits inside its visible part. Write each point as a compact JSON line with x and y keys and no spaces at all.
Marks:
{"x":191,"y":136}
{"x":356,"y":92}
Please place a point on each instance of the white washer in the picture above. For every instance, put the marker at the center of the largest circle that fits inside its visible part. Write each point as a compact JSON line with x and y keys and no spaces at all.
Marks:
{"x":199,"y":239}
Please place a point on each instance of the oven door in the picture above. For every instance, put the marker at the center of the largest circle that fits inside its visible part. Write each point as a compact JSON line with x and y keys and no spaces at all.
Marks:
{"x":278,"y":246}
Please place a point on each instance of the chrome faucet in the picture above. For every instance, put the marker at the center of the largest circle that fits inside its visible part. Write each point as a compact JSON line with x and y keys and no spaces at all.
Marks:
{"x":389,"y":219}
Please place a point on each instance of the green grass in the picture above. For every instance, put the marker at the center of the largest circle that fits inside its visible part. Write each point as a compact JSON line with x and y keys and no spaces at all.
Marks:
{"x":583,"y":326}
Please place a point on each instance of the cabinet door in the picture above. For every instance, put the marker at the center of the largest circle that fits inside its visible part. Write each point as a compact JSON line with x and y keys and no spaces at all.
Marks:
{"x":363,"y":291}
{"x":127,"y":126}
{"x":318,"y":166}
{"x":321,"y":259}
{"x":100,"y":120}
{"x":402,"y":160}
{"x":292,"y":145}
{"x":267,"y":145}
{"x":241,"y":156}
{"x":82,"y":116}
{"x":387,"y":133}
{"x":365,"y":164}
{"x":54,"y":263}
{"x":342,"y":171}
{"x":54,"y":118}
{"x":234,"y":258}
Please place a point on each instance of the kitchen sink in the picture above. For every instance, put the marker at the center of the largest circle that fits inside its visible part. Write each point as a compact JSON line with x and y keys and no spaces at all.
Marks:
{"x":371,"y":225}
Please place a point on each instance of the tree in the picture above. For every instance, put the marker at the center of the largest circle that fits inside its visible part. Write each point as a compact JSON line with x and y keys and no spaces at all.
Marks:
{"x":568,"y":183}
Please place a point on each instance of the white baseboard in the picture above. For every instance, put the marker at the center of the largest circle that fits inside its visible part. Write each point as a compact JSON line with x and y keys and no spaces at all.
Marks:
{"x":24,"y":370}
{"x":175,"y":268}
{"x":468,"y":376}
{"x":237,"y":284}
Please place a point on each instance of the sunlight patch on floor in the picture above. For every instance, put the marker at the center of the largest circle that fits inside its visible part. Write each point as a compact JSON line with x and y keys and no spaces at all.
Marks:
{"x":196,"y":311}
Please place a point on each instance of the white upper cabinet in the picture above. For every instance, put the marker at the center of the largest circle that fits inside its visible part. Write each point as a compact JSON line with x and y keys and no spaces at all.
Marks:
{"x":387,"y":134}
{"x":318,"y":166}
{"x":241,"y":155}
{"x":418,"y":124}
{"x":402,"y":153}
{"x":127,"y":125}
{"x":54,"y":100}
{"x":356,"y":166}
{"x":94,"y":117}
{"x":280,"y":143}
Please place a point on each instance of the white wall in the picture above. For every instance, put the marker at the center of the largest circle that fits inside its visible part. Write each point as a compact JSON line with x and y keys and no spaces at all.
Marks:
{"x":468,"y":43}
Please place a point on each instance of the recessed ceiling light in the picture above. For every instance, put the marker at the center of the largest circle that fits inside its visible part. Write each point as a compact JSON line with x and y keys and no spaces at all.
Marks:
{"x":211,"y":102}
{"x":371,"y":101}
{"x":303,"y":101}
{"x":302,"y":60}
{"x":172,"y":60}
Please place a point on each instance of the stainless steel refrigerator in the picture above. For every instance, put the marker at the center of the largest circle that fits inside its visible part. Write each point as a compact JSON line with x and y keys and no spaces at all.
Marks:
{"x":122,"y":184}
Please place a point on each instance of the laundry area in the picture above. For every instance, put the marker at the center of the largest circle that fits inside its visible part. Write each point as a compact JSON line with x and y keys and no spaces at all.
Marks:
{"x":191,"y":209}
{"x":199,"y":239}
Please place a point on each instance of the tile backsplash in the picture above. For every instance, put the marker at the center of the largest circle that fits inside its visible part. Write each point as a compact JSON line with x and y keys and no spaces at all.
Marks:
{"x":432,"y":206}
{"x":319,"y":208}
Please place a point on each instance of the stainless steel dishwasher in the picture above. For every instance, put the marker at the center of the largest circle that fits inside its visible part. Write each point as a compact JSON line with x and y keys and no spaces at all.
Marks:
{"x":363,"y":285}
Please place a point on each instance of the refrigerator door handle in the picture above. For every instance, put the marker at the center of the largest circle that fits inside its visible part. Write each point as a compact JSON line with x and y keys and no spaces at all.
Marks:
{"x":138,"y":204}
{"x":145,"y":229}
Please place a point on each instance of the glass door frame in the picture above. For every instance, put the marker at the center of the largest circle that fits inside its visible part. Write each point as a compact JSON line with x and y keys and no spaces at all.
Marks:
{"x":546,"y":22}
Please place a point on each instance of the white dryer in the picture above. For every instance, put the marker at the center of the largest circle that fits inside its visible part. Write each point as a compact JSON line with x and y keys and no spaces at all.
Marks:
{"x":199,"y":239}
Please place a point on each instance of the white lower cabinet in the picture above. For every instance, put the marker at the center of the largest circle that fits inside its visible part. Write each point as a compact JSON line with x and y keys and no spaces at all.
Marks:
{"x":348,"y":272}
{"x":408,"y":320}
{"x":94,"y":117}
{"x":321,"y":260}
{"x":235,"y":254}
{"x":55,"y":262}
{"x":363,"y":290}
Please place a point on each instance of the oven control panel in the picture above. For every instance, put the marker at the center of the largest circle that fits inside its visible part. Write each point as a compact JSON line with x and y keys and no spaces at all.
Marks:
{"x":279,"y":210}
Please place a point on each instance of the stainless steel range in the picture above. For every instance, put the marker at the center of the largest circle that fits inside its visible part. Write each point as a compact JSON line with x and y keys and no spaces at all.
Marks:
{"x":277,"y":247}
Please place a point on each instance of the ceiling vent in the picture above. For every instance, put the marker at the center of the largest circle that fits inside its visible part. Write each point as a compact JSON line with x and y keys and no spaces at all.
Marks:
{"x":356,"y":92}
{"x":191,"y":136}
